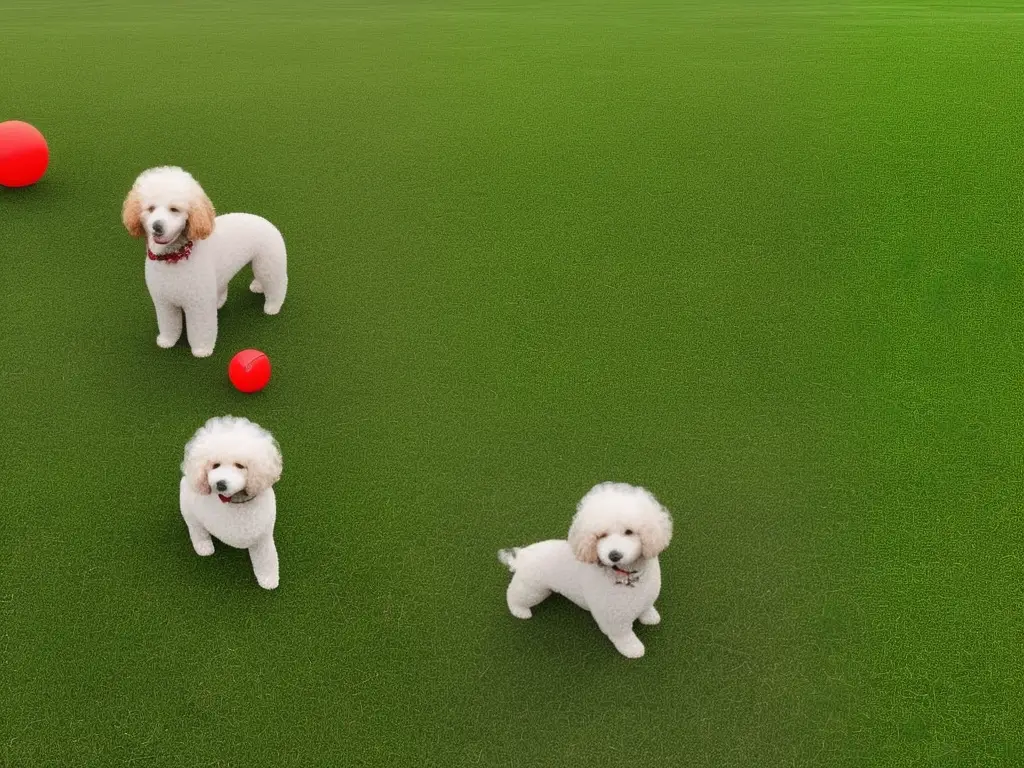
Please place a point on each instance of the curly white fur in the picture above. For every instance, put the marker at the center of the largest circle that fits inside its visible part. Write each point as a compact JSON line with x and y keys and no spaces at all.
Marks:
{"x":608,"y":566}
{"x":226,"y":491}
{"x":169,"y":208}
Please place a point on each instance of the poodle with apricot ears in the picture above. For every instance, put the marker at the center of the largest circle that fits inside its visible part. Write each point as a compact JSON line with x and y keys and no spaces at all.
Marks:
{"x":608,"y":566}
{"x":192,"y":254}
{"x":226,"y":491}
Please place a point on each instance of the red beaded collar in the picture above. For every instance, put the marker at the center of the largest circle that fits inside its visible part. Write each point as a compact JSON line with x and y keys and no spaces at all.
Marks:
{"x":172,"y":257}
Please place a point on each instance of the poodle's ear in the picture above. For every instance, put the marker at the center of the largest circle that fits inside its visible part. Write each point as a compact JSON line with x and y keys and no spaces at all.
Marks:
{"x":583,"y":541}
{"x":196,"y":470}
{"x":201,"y":217}
{"x":264,"y":469}
{"x":585,"y":548}
{"x":131,"y":214}
{"x":656,"y":533}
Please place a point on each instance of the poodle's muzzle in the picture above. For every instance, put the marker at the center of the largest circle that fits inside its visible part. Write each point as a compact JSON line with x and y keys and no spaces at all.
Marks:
{"x":164,"y":223}
{"x":226,"y":479}
{"x":619,"y":549}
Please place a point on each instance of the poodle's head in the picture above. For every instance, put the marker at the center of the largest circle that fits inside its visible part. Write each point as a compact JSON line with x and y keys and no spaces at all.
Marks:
{"x":232,"y":457}
{"x":617,"y":524}
{"x":167,"y":206}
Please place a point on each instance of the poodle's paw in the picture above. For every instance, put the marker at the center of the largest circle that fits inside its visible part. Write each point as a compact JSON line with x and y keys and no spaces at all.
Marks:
{"x":202,"y":351}
{"x":166,"y":342}
{"x":630,"y":647}
{"x":272,"y":309}
{"x":255,"y":286}
{"x":519,"y":612}
{"x":222,"y":299}
{"x":650,"y":617}
{"x":203,"y":548}
{"x":267,"y":581}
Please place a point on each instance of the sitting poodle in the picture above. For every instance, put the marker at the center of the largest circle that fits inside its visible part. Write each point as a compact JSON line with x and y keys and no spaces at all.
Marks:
{"x":229,"y":469}
{"x":193,"y":255}
{"x":608,"y":566}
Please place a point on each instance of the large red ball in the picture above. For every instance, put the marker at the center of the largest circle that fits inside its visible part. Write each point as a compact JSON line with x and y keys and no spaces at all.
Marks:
{"x":249,"y":370}
{"x":23,"y":154}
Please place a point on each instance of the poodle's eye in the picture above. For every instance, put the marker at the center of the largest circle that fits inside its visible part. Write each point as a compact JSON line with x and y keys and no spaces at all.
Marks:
{"x":602,"y":535}
{"x":629,"y":532}
{"x":175,"y":210}
{"x":239,"y":466}
{"x":216,"y":466}
{"x":151,"y":208}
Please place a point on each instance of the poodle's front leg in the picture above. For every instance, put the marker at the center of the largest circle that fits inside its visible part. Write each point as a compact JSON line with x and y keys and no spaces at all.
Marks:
{"x":202,"y":542}
{"x":622,"y":636}
{"x":201,"y":326}
{"x":264,"y":562}
{"x":650,"y":616}
{"x":168,"y":323}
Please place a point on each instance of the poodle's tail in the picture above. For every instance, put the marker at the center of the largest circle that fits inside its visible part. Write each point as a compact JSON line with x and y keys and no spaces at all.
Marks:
{"x":508,"y":557}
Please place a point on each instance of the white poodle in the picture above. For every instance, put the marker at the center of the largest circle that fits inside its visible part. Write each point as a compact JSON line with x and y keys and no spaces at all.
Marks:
{"x":609,"y":565}
{"x":193,"y":254}
{"x":229,"y":469}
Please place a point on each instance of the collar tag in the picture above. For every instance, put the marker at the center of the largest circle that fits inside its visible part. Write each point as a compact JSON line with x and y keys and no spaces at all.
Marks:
{"x":624,"y":577}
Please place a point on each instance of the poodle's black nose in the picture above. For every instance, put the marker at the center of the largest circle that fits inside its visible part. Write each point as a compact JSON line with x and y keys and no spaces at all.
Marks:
{"x":158,"y":228}
{"x":614,"y":555}
{"x":223,"y":486}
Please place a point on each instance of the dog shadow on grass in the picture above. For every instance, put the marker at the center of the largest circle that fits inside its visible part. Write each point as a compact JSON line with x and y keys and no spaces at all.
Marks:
{"x":227,"y":570}
{"x":558,"y":630}
{"x":34,"y":197}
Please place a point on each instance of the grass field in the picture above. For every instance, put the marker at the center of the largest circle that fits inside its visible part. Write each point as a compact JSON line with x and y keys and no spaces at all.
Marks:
{"x":761,"y":259}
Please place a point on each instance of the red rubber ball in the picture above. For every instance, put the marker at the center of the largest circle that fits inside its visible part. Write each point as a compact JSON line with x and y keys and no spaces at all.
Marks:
{"x":249,"y":370}
{"x":23,"y":154}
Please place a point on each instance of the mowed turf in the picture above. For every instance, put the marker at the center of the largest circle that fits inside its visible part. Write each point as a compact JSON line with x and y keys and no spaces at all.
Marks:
{"x":764,"y":260}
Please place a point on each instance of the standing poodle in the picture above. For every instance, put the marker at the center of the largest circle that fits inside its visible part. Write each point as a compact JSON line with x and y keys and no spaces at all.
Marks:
{"x":609,"y":565}
{"x":193,"y":254}
{"x":226,"y":491}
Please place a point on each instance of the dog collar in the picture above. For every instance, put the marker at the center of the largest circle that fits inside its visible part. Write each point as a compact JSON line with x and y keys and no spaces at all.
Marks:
{"x":234,"y":499}
{"x":171,"y":257}
{"x":624,"y":577}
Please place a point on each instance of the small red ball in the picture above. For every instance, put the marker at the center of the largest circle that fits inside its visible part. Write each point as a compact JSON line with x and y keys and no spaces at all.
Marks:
{"x":23,"y":154}
{"x":249,"y":370}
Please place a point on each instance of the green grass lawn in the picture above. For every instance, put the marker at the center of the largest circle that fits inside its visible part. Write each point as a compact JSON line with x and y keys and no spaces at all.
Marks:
{"x":761,"y":259}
